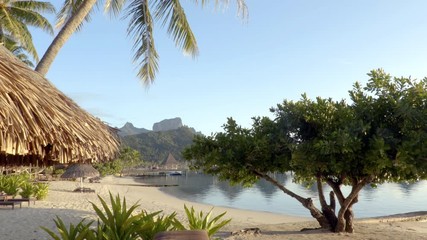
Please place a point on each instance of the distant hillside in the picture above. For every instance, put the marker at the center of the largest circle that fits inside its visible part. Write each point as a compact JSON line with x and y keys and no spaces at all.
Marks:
{"x":129,"y":129}
{"x":155,"y":146}
{"x":167,"y":124}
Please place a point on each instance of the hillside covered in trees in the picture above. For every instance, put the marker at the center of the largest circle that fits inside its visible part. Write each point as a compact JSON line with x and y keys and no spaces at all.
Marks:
{"x":155,"y":146}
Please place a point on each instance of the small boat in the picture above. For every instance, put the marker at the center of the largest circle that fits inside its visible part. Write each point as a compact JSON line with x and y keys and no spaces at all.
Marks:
{"x":175,"y":173}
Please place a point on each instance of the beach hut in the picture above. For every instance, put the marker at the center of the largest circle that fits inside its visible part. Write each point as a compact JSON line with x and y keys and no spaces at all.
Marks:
{"x":170,"y":162}
{"x":39,"y":125}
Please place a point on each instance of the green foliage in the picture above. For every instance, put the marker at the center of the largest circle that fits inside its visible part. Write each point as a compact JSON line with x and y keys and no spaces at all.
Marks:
{"x":58,"y":172}
{"x":155,"y":146}
{"x":27,"y":190}
{"x":41,"y":190}
{"x":127,"y":158}
{"x":153,"y":223}
{"x":379,"y":137}
{"x":15,"y":17}
{"x":11,"y":184}
{"x":201,"y":221}
{"x":117,"y":222}
{"x":79,"y":232}
{"x":109,"y":168}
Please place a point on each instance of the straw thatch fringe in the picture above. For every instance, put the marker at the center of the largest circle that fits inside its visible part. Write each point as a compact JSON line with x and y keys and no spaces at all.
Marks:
{"x":38,"y":119}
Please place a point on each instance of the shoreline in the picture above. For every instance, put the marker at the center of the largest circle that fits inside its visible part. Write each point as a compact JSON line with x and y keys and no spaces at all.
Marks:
{"x":71,"y":207}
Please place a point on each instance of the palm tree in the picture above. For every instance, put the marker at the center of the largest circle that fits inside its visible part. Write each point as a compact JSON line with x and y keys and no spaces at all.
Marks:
{"x":10,"y":44}
{"x":143,"y":14}
{"x":16,"y":16}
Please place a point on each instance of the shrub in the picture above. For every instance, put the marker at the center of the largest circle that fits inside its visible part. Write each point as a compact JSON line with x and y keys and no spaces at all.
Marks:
{"x":201,"y":221}
{"x":79,"y":232}
{"x":119,"y":223}
{"x":41,"y":190}
{"x":12,"y":183}
{"x":27,"y":190}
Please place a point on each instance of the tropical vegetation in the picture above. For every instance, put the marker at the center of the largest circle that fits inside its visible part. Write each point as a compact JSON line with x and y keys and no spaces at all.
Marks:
{"x":378,"y":137}
{"x":16,"y":16}
{"x":156,"y":146}
{"x":118,"y":222}
{"x":126,"y":159}
{"x":142,"y":15}
{"x":23,"y":185}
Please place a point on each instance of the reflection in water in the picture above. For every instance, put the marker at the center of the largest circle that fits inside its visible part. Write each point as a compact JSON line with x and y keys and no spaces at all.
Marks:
{"x":386,"y":199}
{"x":228,"y":191}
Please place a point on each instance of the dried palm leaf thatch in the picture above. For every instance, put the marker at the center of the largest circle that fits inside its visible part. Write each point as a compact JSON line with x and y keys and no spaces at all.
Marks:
{"x":36,"y":119}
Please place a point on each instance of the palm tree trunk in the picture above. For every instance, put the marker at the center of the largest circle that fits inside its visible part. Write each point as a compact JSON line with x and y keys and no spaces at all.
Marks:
{"x":64,"y":34}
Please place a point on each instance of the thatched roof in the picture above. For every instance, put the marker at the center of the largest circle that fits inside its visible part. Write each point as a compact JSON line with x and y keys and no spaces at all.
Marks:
{"x":36,"y":118}
{"x":170,"y":161}
{"x":80,"y":170}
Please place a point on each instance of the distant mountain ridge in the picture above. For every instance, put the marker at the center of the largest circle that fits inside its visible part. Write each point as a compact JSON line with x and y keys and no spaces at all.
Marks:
{"x":164,"y":125}
{"x":169,"y":136}
{"x":156,"y":146}
{"x":129,"y":129}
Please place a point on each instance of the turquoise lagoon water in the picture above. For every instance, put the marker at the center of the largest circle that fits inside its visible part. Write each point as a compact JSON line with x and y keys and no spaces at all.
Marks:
{"x":386,"y":199}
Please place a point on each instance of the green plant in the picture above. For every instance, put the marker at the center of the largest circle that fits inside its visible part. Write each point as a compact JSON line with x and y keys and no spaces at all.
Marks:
{"x":3,"y":182}
{"x":58,"y":172}
{"x":79,"y":232}
{"x":27,"y":190}
{"x":118,"y":222}
{"x":12,"y":184}
{"x":41,"y":190}
{"x":201,"y":221}
{"x":153,"y":223}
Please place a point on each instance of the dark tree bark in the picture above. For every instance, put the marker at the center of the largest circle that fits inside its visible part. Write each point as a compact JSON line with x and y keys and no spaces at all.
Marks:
{"x":306,"y":202}
{"x":327,"y":210}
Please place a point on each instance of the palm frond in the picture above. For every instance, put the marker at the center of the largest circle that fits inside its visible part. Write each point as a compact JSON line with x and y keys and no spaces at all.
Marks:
{"x":35,"y":6}
{"x":16,"y":49}
{"x":171,"y":12}
{"x":20,"y":34}
{"x":242,"y":8}
{"x":31,"y":18}
{"x":141,"y":29}
{"x":68,"y":9}
{"x":114,"y":7}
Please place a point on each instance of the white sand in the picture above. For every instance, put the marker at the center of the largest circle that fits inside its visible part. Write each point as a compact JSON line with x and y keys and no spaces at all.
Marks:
{"x":72,"y":207}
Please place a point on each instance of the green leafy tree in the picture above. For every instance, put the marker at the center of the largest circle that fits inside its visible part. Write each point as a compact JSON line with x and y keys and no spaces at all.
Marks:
{"x":377,"y":138}
{"x":142,"y":15}
{"x":128,"y":158}
{"x":15,"y":18}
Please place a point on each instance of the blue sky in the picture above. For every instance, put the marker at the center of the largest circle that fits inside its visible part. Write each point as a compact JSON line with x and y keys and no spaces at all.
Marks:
{"x":284,"y":48}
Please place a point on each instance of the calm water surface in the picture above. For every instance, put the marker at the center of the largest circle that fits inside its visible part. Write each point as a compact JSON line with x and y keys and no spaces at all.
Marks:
{"x":386,"y":199}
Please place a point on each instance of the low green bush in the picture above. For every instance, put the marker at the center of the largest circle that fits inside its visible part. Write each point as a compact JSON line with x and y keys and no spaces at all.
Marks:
{"x":117,"y":222}
{"x":27,"y":190}
{"x":201,"y":221}
{"x":11,"y":184}
{"x":41,"y":190}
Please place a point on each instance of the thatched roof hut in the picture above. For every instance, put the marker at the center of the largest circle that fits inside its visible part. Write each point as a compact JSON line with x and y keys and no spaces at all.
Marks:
{"x":170,"y":162}
{"x":38,"y":123}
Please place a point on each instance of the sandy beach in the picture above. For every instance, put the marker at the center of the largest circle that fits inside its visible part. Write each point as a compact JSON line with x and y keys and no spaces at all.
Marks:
{"x":25,"y":223}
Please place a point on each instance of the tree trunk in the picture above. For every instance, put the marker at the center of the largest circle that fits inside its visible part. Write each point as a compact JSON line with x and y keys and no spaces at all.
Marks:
{"x":306,"y":202}
{"x":349,"y":223}
{"x":345,"y":214}
{"x":64,"y":34}
{"x":327,"y":210}
{"x":349,"y":216}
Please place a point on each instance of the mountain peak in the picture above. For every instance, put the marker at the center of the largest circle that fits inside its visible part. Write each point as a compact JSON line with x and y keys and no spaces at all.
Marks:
{"x":129,"y":129}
